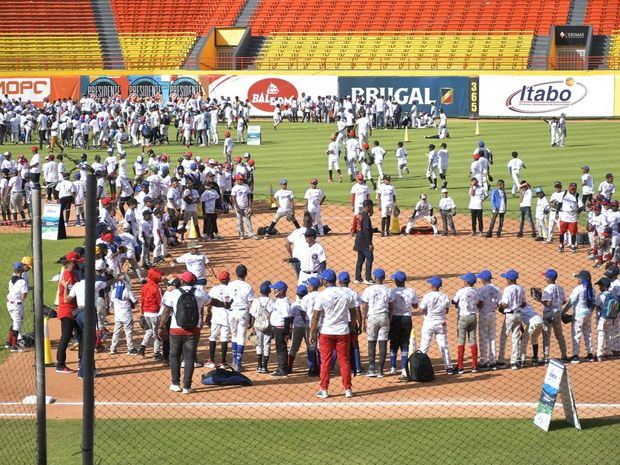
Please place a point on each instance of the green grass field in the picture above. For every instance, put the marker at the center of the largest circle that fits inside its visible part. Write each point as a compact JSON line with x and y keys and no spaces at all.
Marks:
{"x":296,"y":151}
{"x":440,"y":441}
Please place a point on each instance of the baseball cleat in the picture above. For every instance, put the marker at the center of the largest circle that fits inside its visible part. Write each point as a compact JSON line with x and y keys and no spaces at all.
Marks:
{"x":187,"y":390}
{"x":348,"y":393}
{"x":175,"y":388}
{"x":322,"y":394}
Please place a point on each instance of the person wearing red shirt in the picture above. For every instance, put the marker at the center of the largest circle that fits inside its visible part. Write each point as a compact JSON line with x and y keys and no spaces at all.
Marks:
{"x":150,"y":301}
{"x":66,"y":309}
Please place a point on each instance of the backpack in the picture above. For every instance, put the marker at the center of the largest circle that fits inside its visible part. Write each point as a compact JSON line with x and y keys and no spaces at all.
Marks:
{"x":261,"y":320}
{"x":165,"y":119}
{"x":368,"y":158}
{"x":187,"y":314}
{"x":225,"y":377}
{"x":420,"y":368}
{"x":611,"y":306}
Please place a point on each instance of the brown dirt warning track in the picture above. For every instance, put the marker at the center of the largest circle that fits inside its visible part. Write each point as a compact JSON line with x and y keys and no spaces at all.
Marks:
{"x":138,"y":387}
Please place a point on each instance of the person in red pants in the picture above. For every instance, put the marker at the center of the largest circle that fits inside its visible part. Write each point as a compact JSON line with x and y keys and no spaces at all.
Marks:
{"x":336,"y":309}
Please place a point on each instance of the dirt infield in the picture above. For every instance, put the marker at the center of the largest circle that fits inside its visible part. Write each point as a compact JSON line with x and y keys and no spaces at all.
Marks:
{"x":138,"y":387}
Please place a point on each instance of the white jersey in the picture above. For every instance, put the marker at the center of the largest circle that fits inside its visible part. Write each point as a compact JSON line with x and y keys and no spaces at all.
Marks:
{"x":403,"y":300}
{"x":314,"y":198}
{"x":378,"y":297}
{"x":241,"y":294}
{"x":467,"y":299}
{"x":285,"y":198}
{"x":361,"y":193}
{"x":515,"y":165}
{"x":378,"y":153}
{"x":490,"y":295}
{"x":435,"y":305}
{"x":195,"y":263}
{"x":386,"y":194}
{"x":335,"y":306}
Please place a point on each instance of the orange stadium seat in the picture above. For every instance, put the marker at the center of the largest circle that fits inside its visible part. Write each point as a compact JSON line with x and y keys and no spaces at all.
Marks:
{"x":603,"y":15}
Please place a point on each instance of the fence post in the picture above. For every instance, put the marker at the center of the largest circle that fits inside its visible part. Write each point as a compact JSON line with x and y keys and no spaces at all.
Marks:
{"x":37,"y":254}
{"x":88,"y":336}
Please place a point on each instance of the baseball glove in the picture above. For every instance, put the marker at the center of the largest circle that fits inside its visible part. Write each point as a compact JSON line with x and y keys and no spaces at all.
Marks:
{"x":554,"y":204}
{"x":536,"y":293}
{"x":396,"y":211}
{"x":490,"y":178}
{"x":143,"y":324}
{"x":567,"y":318}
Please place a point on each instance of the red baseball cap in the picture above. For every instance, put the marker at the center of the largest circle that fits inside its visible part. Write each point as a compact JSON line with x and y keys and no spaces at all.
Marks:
{"x":365,"y":146}
{"x":188,"y":154}
{"x":223,"y":275}
{"x":187,"y":277}
{"x":237,"y":159}
{"x":240,"y":177}
{"x":73,"y":257}
{"x":107,"y":237}
{"x":106,"y":201}
{"x":251,"y":162}
{"x":359,"y":177}
{"x":34,"y":148}
{"x":314,"y":181}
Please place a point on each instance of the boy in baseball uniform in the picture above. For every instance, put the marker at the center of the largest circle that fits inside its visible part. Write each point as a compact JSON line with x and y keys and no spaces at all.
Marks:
{"x":432,"y":167}
{"x":607,"y":188}
{"x":479,"y":169}
{"x":435,"y":305}
{"x":241,"y":196}
{"x":424,"y":210}
{"x":123,"y":302}
{"x":468,"y":302}
{"x":311,"y":255}
{"x":242,"y":296}
{"x":314,"y":198}
{"x":286,"y":207}
{"x":219,"y":320}
{"x":587,"y":185}
{"x":263,"y":339}
{"x":582,"y":299}
{"x":18,"y":291}
{"x":353,"y":149}
{"x":533,"y":327}
{"x":401,"y":160}
{"x":555,"y":202}
{"x":515,"y":165}
{"x":378,"y":154}
{"x":553,"y":299}
{"x":386,"y":196}
{"x":443,"y":157}
{"x":511,"y":303}
{"x":604,"y":325}
{"x":333,"y":158}
{"x":359,"y":193}
{"x":489,"y":295}
{"x":542,"y":210}
{"x":344,"y":279}
{"x":447,"y":210}
{"x":376,"y":300}
{"x":367,"y":162}
{"x":404,"y":301}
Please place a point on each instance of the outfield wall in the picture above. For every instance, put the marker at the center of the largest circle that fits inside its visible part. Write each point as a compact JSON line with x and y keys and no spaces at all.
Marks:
{"x":502,"y":95}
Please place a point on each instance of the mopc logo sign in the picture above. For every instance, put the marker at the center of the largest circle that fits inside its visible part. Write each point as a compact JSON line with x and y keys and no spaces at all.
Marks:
{"x":266,"y":93}
{"x":547,"y":97}
{"x":34,"y":89}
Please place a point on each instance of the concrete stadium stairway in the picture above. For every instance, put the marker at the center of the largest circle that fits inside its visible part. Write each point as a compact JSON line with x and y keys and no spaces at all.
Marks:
{"x":108,"y":35}
{"x":539,"y":52}
{"x":246,"y":14}
{"x":577,"y":12}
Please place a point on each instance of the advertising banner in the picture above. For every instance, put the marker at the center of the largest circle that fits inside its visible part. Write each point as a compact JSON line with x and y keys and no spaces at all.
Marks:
{"x":40,"y":88}
{"x":253,"y":135}
{"x":51,"y":220}
{"x":541,"y":96}
{"x":556,"y":382}
{"x":160,"y":88}
{"x":571,"y":35}
{"x":264,"y":92}
{"x":449,"y":93}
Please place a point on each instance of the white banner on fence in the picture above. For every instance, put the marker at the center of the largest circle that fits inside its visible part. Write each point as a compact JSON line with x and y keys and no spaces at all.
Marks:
{"x":545,"y":96}
{"x":264,"y":92}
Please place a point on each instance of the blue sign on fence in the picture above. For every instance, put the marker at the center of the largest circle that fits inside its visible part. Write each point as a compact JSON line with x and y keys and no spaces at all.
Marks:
{"x":449,"y":93}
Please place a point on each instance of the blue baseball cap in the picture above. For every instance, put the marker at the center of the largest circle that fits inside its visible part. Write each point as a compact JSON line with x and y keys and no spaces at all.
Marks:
{"x":399,"y":276}
{"x":302,"y":290}
{"x":18,"y":266}
{"x":344,"y":277}
{"x":511,"y":274}
{"x":469,"y":278}
{"x":283,"y":181}
{"x":485,"y":275}
{"x":435,"y":281}
{"x":481,"y":143}
{"x":193,"y":166}
{"x":77,"y":176}
{"x":328,"y":275}
{"x":265,"y":288}
{"x":550,"y":274}
{"x":379,"y":273}
{"x":314,"y":282}
{"x":279,"y":286}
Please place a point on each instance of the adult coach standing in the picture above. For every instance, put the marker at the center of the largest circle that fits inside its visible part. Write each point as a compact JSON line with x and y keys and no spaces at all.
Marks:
{"x":336,"y":310}
{"x":569,"y":209}
{"x":363,"y":243}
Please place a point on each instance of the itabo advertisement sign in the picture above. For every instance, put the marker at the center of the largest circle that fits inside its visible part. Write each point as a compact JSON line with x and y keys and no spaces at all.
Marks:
{"x":449,"y":93}
{"x":536,"y":96}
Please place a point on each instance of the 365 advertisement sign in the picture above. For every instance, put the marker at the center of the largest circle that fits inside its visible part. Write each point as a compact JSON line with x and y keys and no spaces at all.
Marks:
{"x":540,"y":96}
{"x":265,"y":92}
{"x":449,"y":93}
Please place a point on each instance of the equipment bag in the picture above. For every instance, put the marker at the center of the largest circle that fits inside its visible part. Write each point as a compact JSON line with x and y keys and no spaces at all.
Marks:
{"x":261,"y":321}
{"x":611,"y":306}
{"x":420,"y":368}
{"x":187,"y":314}
{"x":225,"y":377}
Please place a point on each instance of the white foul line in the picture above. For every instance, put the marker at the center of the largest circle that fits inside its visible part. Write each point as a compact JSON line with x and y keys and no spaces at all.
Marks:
{"x":18,"y":415}
{"x":347,"y":404}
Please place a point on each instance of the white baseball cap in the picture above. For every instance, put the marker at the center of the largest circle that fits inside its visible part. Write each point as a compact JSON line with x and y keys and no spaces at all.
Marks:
{"x":444,"y":191}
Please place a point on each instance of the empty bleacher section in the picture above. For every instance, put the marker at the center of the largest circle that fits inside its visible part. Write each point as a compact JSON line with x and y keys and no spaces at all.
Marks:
{"x":479,"y":51}
{"x":614,"y":51}
{"x":159,"y":34}
{"x":408,"y":15}
{"x":603,"y":15}
{"x":48,"y":34}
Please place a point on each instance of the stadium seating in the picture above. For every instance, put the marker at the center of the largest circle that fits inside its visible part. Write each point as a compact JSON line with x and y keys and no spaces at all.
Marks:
{"x":407,"y":15}
{"x":48,"y":34}
{"x":388,"y":50}
{"x":160,"y":34}
{"x":603,"y":15}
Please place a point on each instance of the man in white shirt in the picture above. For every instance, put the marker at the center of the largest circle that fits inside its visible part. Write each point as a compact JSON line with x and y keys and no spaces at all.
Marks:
{"x":195,"y":262}
{"x":513,"y":300}
{"x":515,"y":165}
{"x":286,"y":207}
{"x":123,"y":302}
{"x":376,"y":316}
{"x":312,"y":257}
{"x":442,"y":164}
{"x":335,"y":311}
{"x":432,"y":167}
{"x":50,"y":175}
{"x":447,"y":210}
{"x":587,"y":185}
{"x":525,"y":207}
{"x":353,"y":150}
{"x":359,"y":193}
{"x":423,"y":210}
{"x":607,"y":188}
{"x":241,"y":196}
{"x":570,"y":207}
{"x":333,"y":158}
{"x":555,"y":202}
{"x":66,"y":191}
{"x":477,"y":195}
{"x":386,"y":196}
